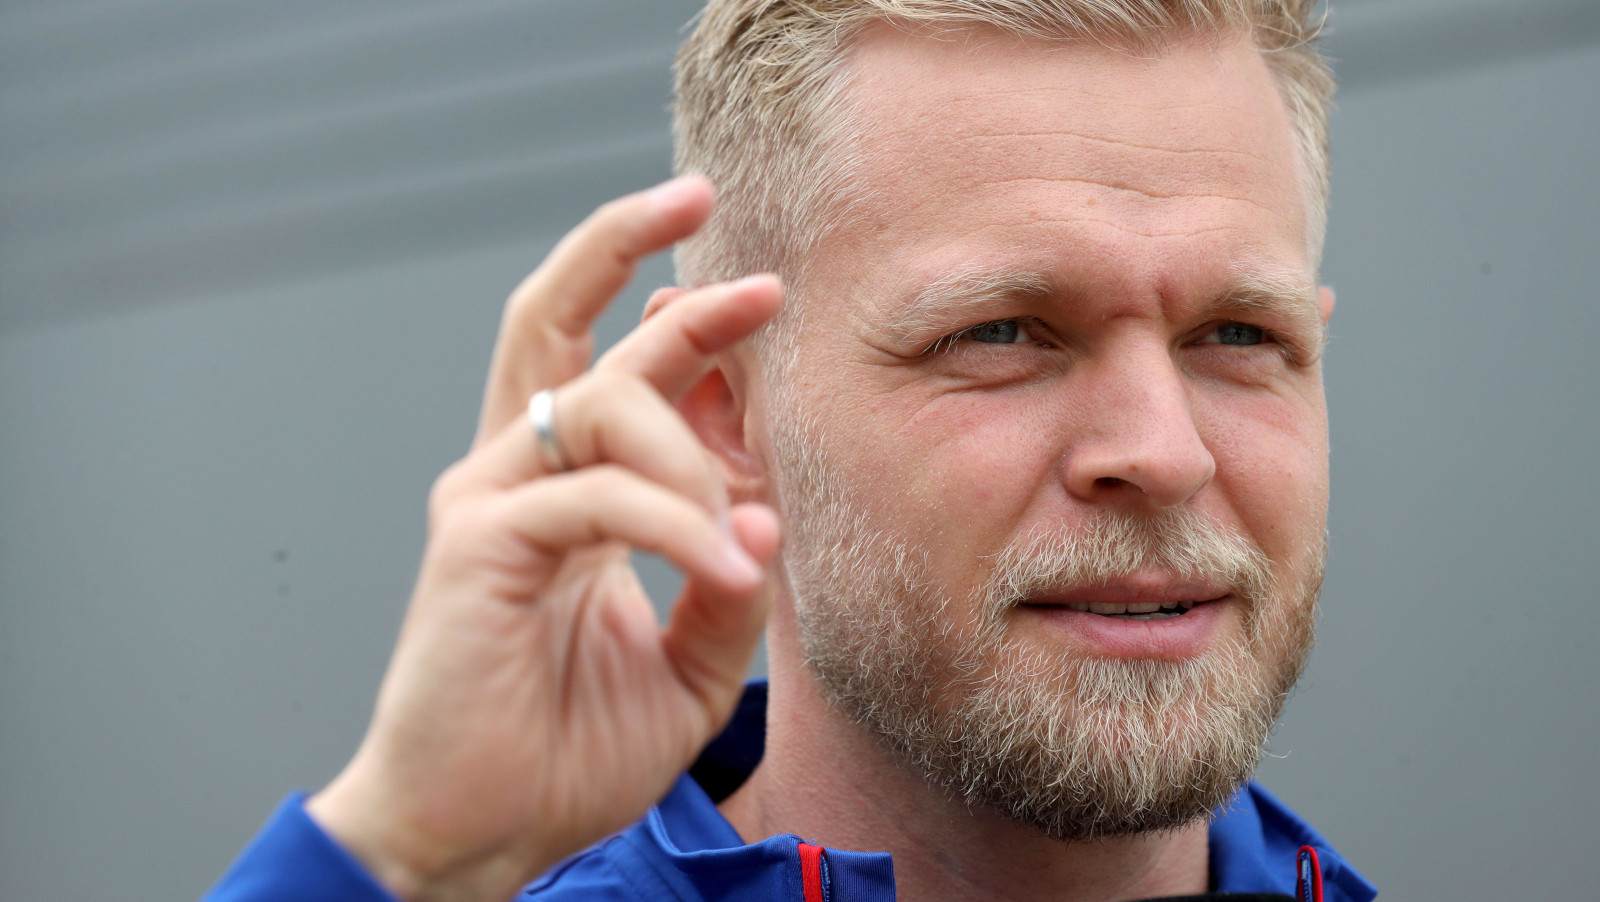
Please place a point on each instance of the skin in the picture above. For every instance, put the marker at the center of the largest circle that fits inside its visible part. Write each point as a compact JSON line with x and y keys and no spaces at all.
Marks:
{"x":1136,"y":186}
{"x":530,"y":660}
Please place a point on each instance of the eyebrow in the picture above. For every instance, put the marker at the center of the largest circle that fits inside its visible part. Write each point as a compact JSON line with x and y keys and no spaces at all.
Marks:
{"x":957,"y":298}
{"x":1279,"y":293}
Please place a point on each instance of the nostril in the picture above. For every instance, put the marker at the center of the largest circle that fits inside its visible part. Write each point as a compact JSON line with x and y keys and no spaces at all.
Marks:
{"x":1107,"y":483}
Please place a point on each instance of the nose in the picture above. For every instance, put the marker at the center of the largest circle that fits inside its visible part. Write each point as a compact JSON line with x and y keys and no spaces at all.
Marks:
{"x":1138,"y":442}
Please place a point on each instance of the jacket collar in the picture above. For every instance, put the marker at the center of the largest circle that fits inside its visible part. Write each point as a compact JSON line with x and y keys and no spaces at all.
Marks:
{"x":1253,"y":839}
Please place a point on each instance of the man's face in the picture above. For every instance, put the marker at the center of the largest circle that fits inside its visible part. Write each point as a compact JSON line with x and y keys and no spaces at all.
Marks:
{"x":1066,"y":354}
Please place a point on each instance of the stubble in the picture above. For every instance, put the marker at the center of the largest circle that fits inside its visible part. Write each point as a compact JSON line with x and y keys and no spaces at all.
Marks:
{"x":1077,"y":746}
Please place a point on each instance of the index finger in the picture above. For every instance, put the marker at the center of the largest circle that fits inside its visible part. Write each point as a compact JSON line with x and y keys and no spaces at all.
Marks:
{"x":595,"y":260}
{"x":677,"y":343}
{"x":544,"y":335}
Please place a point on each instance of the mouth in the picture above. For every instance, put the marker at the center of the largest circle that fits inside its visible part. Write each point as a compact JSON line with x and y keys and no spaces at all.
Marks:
{"x":1141,"y":597}
{"x":1121,"y":619}
{"x":1164,"y":610}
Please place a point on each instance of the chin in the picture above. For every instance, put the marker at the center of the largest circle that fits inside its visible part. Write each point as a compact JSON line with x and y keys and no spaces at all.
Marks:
{"x":1090,"y":748}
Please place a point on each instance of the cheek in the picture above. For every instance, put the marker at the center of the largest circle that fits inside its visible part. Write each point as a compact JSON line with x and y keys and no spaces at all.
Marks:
{"x":958,"y":472}
{"x":1272,"y":465}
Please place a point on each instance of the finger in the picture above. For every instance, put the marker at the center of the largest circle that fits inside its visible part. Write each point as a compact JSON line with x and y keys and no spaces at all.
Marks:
{"x":660,"y":298}
{"x":611,"y":504}
{"x":595,"y":260}
{"x":544,"y":334}
{"x":601,"y":418}
{"x":712,"y":633}
{"x":675,"y":347}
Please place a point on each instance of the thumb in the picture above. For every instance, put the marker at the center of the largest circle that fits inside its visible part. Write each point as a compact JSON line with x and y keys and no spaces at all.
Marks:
{"x":712,"y":633}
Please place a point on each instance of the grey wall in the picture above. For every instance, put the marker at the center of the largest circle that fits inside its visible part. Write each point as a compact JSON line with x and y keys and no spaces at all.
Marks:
{"x":251,"y":262}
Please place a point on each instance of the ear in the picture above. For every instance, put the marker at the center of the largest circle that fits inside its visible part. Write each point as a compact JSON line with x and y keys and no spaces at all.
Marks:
{"x":659,"y":298}
{"x":716,"y":410}
{"x":1325,"y":303}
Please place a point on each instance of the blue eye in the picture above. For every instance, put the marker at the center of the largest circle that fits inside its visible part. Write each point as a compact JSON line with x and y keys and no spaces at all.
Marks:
{"x":1240,"y":334}
{"x":1000,"y":332}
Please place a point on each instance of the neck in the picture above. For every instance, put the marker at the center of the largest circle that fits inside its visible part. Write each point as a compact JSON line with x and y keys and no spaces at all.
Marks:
{"x":864,"y":798}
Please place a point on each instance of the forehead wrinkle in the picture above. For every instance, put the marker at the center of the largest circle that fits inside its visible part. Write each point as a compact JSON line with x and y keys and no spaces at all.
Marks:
{"x":1084,"y":143}
{"x":1128,"y":229}
{"x":1008,"y":95}
{"x":1115,"y":142}
{"x":1134,"y":189}
{"x":983,"y":158}
{"x":1002,"y":103}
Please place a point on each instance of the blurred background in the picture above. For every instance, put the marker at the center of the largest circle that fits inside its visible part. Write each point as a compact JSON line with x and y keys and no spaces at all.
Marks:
{"x":252,"y":257}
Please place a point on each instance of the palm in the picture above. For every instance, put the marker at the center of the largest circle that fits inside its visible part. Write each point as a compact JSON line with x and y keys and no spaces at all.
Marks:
{"x":574,"y":714}
{"x":624,"y":708}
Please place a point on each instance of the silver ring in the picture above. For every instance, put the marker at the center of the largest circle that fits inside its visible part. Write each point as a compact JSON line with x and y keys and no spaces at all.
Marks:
{"x":542,"y":414}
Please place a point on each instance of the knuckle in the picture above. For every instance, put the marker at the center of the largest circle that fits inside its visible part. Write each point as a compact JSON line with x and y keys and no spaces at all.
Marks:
{"x":524,"y":315}
{"x":612,"y":211}
{"x":593,"y":387}
{"x":613,"y":385}
{"x":612,"y":359}
{"x":608,"y":483}
{"x":444,"y":491}
{"x":520,"y":298}
{"x":632,"y":386}
{"x":463,"y":525}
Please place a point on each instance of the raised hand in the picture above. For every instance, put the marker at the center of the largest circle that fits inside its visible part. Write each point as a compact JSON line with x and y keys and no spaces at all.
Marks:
{"x":533,"y":704}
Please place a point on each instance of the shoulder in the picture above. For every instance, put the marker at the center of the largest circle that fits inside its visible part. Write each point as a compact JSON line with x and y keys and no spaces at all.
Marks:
{"x":590,"y":874}
{"x":1255,"y":845}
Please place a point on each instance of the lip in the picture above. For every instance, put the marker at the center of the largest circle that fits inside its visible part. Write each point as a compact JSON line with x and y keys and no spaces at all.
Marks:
{"x":1170,"y":639}
{"x":1137,"y":589}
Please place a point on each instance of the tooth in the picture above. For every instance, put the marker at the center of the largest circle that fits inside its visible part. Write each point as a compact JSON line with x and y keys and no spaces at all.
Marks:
{"x":1169,"y":605}
{"x":1149,"y":607}
{"x":1186,"y":605}
{"x":1079,"y":606}
{"x":1106,"y":607}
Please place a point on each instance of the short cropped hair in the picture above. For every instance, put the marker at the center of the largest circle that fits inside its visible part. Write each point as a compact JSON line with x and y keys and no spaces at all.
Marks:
{"x":760,"y":104}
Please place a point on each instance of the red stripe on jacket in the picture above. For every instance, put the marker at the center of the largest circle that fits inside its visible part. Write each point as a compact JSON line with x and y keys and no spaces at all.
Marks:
{"x":811,"y":871}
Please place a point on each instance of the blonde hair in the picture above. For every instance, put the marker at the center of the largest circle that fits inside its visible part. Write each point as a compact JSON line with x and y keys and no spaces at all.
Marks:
{"x":761,"y":105}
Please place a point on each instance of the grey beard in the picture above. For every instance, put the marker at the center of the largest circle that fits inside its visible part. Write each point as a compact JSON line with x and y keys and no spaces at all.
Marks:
{"x":1077,"y":748}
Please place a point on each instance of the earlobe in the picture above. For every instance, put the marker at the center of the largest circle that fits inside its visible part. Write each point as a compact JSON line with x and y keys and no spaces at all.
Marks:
{"x":715,"y":409}
{"x":1325,"y":300}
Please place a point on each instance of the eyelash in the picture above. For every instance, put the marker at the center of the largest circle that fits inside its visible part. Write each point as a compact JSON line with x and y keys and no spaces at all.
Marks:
{"x":948,"y":342}
{"x":1289,"y":347}
{"x":1293,"y":350}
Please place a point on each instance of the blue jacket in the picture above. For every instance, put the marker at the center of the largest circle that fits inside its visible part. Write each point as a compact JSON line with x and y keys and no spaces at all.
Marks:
{"x":683,"y":849}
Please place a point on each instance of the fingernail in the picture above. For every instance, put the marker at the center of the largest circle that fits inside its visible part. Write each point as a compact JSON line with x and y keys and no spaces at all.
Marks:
{"x":674,"y":192}
{"x":738,"y":566}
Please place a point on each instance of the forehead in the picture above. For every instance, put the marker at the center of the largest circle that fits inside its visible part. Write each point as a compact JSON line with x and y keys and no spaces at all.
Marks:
{"x":981,"y":143}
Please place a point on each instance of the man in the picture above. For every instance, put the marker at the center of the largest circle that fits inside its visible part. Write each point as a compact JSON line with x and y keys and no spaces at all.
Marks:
{"x":1041,"y":420}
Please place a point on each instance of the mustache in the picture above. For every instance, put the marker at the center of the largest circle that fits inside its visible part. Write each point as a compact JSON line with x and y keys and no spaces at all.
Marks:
{"x":1115,"y":544}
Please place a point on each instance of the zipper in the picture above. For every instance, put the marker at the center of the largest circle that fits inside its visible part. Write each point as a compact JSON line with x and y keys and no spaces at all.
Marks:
{"x":1309,"y":888}
{"x":813,"y":873}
